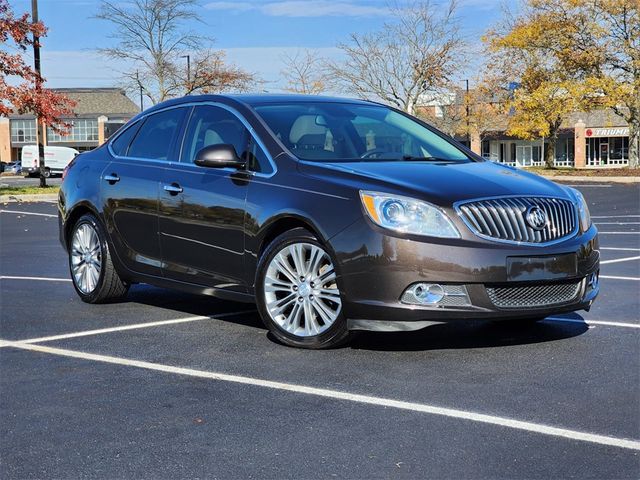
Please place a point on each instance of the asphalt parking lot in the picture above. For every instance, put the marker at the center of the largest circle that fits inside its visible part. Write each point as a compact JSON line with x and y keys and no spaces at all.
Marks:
{"x":170,"y":385}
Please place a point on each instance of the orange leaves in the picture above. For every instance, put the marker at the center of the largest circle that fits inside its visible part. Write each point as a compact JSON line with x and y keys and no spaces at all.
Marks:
{"x":22,"y":96}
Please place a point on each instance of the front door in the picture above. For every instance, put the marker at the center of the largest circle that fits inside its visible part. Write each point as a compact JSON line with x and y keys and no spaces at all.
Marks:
{"x":604,"y":153}
{"x":202,"y":209}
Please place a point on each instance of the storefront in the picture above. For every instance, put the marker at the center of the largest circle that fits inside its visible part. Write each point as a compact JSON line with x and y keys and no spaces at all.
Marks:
{"x":525,"y":153}
{"x":607,"y":146}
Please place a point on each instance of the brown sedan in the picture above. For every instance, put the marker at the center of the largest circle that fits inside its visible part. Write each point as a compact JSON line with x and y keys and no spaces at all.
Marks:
{"x":332,"y":215}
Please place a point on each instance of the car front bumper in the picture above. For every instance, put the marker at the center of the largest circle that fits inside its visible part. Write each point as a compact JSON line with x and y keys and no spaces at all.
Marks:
{"x":375,"y":269}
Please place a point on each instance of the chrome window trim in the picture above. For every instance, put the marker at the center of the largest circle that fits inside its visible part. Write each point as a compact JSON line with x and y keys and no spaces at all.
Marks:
{"x":473,"y":230}
{"x":232,"y":110}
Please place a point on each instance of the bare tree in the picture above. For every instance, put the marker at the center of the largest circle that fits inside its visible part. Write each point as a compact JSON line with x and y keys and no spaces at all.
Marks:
{"x":152,"y":37}
{"x":304,"y":72}
{"x":417,"y":52}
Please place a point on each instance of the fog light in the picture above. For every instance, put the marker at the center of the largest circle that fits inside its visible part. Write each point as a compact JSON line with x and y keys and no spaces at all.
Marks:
{"x":592,"y":281}
{"x":436,"y":295}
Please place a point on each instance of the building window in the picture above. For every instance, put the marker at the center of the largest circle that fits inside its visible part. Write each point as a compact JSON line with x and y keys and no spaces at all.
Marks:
{"x":23,"y":131}
{"x":486,"y":148}
{"x":604,"y":151}
{"x":82,"y":130}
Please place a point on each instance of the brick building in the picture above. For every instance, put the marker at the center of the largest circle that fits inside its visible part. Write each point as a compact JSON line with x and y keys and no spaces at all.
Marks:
{"x":98,"y":113}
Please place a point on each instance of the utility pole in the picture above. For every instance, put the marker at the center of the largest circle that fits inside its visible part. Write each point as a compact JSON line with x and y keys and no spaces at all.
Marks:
{"x":140,"y":87}
{"x":467,"y":113}
{"x":39,"y":125}
{"x":188,"y":70}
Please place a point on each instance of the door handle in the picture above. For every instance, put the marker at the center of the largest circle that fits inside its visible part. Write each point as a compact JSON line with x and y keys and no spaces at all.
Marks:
{"x":173,"y":189}
{"x":113,"y":178}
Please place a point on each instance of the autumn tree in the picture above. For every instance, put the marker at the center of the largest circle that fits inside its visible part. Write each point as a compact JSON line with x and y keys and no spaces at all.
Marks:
{"x":416,"y":52}
{"x":304,"y":72}
{"x":598,"y":42}
{"x":20,"y":86}
{"x":152,"y":37}
{"x":546,"y":93}
{"x":586,"y":55}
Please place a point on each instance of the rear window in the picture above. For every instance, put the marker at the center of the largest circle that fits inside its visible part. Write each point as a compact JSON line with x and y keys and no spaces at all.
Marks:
{"x":121,"y":144}
{"x":155,"y":137}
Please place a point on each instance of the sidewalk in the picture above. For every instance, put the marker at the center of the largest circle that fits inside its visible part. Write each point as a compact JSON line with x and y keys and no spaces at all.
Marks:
{"x":572,"y":178}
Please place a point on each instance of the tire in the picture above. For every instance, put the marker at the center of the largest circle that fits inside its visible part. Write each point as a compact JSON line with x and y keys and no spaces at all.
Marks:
{"x":98,"y":281}
{"x":47,"y":173}
{"x":296,"y":311}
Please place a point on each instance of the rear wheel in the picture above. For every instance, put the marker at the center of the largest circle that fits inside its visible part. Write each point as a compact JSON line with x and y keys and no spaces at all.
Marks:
{"x":92,"y":272}
{"x":297,"y":292}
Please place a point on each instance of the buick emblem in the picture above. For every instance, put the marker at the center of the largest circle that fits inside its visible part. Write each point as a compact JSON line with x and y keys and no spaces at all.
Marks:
{"x":536,"y":217}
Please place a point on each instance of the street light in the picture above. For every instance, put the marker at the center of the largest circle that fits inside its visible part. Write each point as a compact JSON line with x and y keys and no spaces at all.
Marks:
{"x":188,"y":68}
{"x":467,"y":112}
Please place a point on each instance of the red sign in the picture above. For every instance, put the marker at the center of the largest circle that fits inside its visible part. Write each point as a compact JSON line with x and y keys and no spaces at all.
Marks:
{"x":588,"y":132}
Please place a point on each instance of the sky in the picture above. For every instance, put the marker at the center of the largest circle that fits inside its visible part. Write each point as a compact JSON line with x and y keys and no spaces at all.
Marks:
{"x":254,"y":33}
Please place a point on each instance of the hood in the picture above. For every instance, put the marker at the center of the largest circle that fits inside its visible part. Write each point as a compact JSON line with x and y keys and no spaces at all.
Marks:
{"x":439,"y":183}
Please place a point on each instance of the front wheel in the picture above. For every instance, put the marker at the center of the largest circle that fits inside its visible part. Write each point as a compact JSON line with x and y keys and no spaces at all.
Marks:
{"x":92,"y":272}
{"x":297,"y":292}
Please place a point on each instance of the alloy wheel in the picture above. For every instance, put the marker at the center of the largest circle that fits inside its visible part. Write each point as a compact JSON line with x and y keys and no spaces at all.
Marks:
{"x":86,"y":258}
{"x":300,"y":290}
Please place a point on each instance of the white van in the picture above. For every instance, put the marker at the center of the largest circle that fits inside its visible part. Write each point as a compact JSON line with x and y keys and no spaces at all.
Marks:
{"x":55,"y":159}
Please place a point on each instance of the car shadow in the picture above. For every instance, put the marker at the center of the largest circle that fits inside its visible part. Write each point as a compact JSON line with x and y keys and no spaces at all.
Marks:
{"x":451,"y":335}
{"x":472,"y":334}
{"x":185,"y":304}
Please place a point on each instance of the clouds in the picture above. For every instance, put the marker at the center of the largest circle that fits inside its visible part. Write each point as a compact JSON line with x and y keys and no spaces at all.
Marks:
{"x":299,"y":8}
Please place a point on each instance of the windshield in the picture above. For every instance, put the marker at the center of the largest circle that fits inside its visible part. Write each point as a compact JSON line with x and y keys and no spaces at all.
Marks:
{"x":343,"y":132}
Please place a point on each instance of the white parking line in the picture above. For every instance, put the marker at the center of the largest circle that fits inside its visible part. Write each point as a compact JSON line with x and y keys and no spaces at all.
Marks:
{"x":345,"y":396}
{"x":621,"y":249}
{"x":615,"y":216}
{"x":618,"y":260}
{"x":618,"y":233}
{"x":28,"y":213}
{"x":617,"y":223}
{"x":612,"y":277}
{"x":42,"y":279}
{"x":593,"y":322}
{"x":133,"y":327}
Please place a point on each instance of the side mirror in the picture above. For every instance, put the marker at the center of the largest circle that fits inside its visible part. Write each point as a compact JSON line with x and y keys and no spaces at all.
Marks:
{"x":219,"y":156}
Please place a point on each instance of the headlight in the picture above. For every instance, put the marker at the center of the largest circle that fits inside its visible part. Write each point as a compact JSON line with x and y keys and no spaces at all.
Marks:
{"x":583,"y":210}
{"x":408,"y":215}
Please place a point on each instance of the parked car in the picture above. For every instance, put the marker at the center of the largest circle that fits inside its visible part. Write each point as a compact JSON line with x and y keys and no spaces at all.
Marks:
{"x":55,"y":160}
{"x":13,"y":168}
{"x":332,"y":215}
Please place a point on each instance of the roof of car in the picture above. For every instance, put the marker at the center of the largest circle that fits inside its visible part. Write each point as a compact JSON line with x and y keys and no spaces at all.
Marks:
{"x":256,"y":99}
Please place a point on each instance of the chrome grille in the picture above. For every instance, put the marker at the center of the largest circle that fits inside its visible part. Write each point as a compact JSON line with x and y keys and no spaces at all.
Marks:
{"x":503,"y":219}
{"x":534,"y":296}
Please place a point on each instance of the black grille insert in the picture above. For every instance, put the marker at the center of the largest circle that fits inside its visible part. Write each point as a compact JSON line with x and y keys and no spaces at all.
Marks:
{"x":534,"y":296}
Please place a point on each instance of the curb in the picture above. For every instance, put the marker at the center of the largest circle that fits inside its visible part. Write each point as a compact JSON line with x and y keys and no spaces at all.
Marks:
{"x":570,"y":178}
{"x":37,"y":197}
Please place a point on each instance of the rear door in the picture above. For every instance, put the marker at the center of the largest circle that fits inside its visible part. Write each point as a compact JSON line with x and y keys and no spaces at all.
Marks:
{"x":131,"y":184}
{"x":202,"y":210}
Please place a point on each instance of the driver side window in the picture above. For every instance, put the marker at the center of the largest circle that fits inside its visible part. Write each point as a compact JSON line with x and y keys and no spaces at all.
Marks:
{"x":211,"y":125}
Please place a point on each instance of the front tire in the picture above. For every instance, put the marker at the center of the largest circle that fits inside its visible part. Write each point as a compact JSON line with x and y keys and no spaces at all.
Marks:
{"x":297,"y":292}
{"x":92,"y":271}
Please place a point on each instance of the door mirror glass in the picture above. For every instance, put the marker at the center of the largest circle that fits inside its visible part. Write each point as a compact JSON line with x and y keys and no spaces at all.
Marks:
{"x":220,"y":155}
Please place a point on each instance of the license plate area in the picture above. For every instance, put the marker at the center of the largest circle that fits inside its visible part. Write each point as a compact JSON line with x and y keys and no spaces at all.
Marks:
{"x":542,"y":267}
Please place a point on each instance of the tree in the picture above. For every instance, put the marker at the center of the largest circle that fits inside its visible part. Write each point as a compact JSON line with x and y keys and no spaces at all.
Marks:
{"x":594,"y":48}
{"x":22,"y":95}
{"x":545,"y":91}
{"x":152,"y":37}
{"x":26,"y":95}
{"x":304,"y":72}
{"x":417,"y":52}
